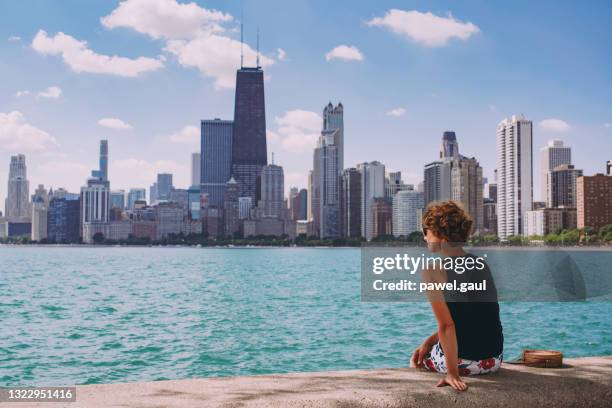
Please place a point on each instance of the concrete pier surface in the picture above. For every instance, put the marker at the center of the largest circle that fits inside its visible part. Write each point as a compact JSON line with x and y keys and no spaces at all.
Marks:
{"x":583,"y":382}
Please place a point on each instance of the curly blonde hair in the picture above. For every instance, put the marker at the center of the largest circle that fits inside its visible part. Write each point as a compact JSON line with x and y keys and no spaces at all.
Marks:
{"x":447,"y":220}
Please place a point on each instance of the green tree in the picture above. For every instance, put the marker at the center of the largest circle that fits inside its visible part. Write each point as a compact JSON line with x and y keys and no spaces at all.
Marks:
{"x":551,"y":239}
{"x":569,"y":237}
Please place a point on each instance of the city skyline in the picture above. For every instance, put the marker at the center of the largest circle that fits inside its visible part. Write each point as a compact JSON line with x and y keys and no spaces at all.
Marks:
{"x":47,"y":102}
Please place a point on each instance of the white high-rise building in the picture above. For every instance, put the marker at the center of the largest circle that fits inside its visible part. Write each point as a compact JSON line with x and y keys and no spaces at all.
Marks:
{"x":333,"y":119}
{"x":515,"y":174}
{"x":39,"y":219}
{"x":327,"y":183}
{"x":40,"y":208}
{"x":407,"y":208}
{"x":372,"y":186}
{"x":324,"y":179}
{"x":552,"y":155}
{"x":272,"y":191}
{"x":244,"y":207}
{"x":95,"y":201}
{"x":17,"y":204}
{"x":195,"y":169}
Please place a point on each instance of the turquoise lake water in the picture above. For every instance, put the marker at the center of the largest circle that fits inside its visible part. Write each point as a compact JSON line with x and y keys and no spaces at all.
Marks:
{"x":101,"y":315}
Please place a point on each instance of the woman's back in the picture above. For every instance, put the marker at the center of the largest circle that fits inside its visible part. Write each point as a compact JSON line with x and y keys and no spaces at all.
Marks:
{"x":475,"y":314}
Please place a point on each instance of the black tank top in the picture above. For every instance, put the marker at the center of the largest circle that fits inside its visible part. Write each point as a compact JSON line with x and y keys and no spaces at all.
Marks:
{"x":476,"y":315}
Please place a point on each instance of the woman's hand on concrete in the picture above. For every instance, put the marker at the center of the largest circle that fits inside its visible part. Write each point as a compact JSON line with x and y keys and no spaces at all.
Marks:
{"x":454,"y":381}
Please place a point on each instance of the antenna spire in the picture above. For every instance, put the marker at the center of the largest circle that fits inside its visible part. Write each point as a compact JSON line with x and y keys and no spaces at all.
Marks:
{"x":241,"y":43}
{"x":258,"y":66}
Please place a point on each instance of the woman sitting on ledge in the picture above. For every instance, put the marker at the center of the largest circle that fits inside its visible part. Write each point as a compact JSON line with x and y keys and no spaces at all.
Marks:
{"x":469,"y":338}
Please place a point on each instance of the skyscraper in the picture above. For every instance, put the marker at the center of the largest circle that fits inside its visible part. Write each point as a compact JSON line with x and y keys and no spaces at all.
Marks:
{"x":135,"y":194}
{"x":450,"y":146}
{"x":489,"y":216}
{"x":17,"y":204}
{"x":327,"y":183}
{"x":231,"y":210}
{"x":467,"y":186}
{"x":350,"y":203}
{"x":95,"y":206}
{"x":594,"y":201}
{"x":436,"y":181}
{"x":63,"y":218}
{"x":311,"y":198}
{"x":394,"y":184}
{"x":117,"y":199}
{"x":195,"y":169}
{"x":39,"y":218}
{"x":40,"y":206}
{"x":515,"y":174}
{"x":164,"y":186}
{"x":293,"y":192}
{"x":102,"y":172}
{"x":299,"y":205}
{"x":455,"y":177}
{"x":216,"y":159}
{"x":561,"y":186}
{"x":493,"y":188}
{"x":333,"y":119}
{"x":382,"y":217}
{"x":244,"y":207}
{"x":95,"y":198}
{"x":372,"y":186}
{"x":407,"y":206}
{"x":249,"y":151}
{"x":552,"y":155}
{"x":272,"y":191}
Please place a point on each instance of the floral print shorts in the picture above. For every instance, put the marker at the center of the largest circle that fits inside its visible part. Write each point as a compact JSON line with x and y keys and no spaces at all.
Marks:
{"x":435,"y":361}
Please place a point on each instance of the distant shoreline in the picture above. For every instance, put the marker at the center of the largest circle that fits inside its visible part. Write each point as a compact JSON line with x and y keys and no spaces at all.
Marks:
{"x":602,"y":248}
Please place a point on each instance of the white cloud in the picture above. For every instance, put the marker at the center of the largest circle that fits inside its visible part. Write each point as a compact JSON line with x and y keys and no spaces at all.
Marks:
{"x":492,"y":108}
{"x":114,"y":123}
{"x":77,"y":55}
{"x":426,"y":29}
{"x":297,"y":131}
{"x":52,"y":92}
{"x":281,"y":55}
{"x":397,"y":112}
{"x":216,"y":56}
{"x":67,"y":173}
{"x":608,"y":125}
{"x":272,"y":136}
{"x":17,"y":134}
{"x":344,"y":52}
{"x":142,"y":173}
{"x":165,"y":18}
{"x":14,"y":38}
{"x":554,"y":125}
{"x":194,"y":35}
{"x":188,"y":134}
{"x":19,"y":94}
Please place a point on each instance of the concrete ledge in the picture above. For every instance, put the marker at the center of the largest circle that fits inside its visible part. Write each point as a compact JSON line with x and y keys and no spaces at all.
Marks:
{"x":583,"y":382}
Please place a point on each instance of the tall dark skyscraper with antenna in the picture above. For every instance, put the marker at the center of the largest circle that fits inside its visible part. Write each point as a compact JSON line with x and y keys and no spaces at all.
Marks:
{"x":249,"y":150}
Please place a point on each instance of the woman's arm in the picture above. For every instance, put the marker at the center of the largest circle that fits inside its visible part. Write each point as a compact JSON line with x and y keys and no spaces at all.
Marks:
{"x":425,"y":347}
{"x":448,"y":340}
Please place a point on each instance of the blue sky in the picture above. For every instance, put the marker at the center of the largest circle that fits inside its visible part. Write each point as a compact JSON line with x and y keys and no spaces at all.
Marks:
{"x":405,"y":72}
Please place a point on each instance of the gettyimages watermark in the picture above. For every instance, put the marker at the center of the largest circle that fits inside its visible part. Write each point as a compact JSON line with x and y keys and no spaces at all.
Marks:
{"x":403,"y":273}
